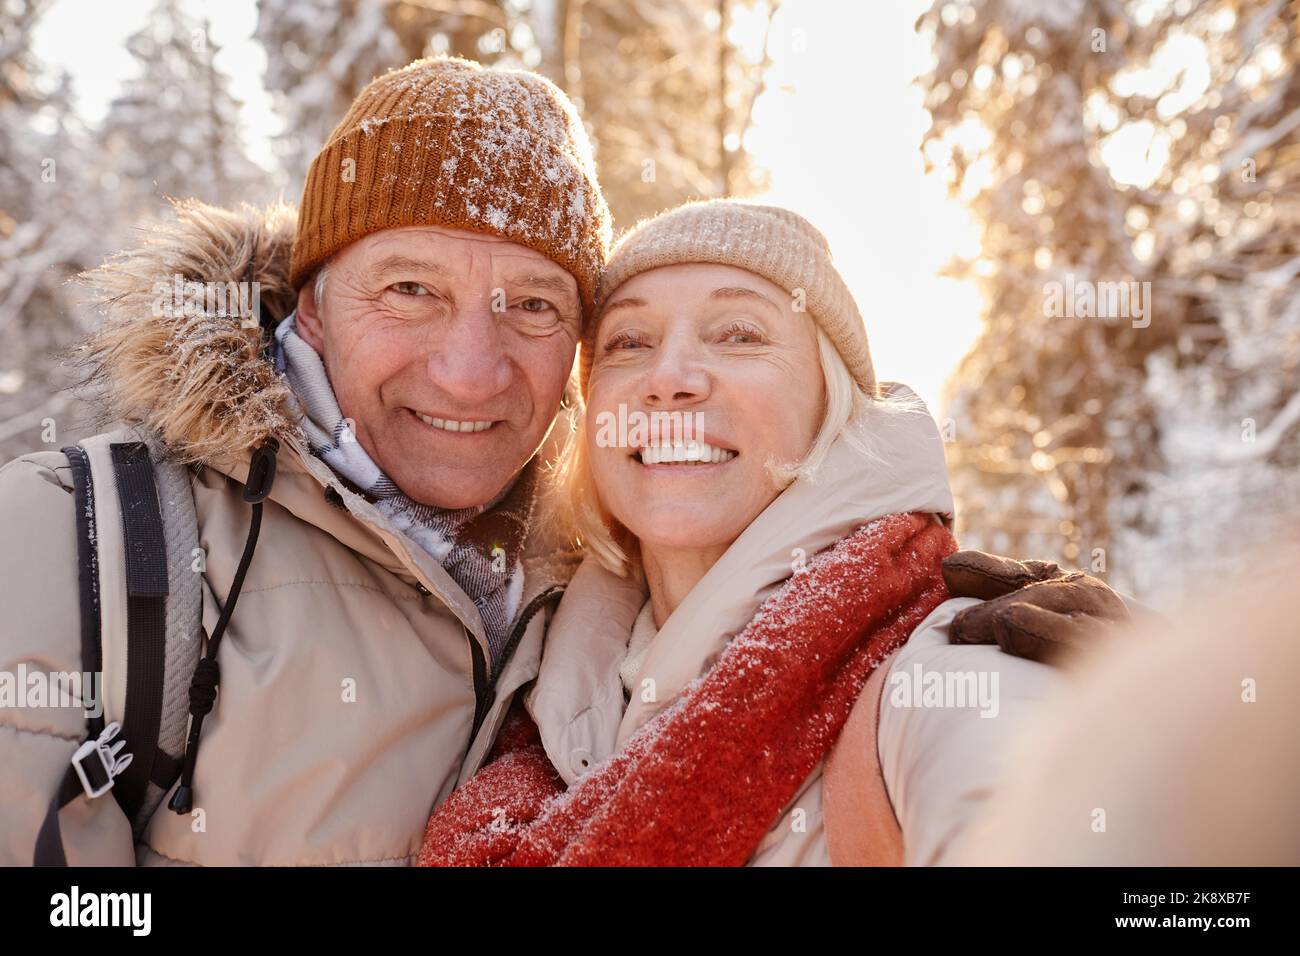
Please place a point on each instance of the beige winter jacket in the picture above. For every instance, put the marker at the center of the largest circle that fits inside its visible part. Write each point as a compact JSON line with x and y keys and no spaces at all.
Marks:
{"x":901,"y":782}
{"x":347,"y":689}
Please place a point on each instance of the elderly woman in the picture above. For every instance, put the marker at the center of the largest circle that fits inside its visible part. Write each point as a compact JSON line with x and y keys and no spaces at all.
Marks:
{"x":752,"y":664}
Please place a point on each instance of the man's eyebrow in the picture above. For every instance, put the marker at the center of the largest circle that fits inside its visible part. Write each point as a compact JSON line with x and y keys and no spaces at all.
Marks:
{"x":548,"y":283}
{"x":740,"y":292}
{"x":398,"y":263}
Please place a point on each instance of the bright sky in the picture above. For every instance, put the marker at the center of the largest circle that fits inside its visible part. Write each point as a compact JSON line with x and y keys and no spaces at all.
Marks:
{"x":840,"y":131}
{"x":839,"y":128}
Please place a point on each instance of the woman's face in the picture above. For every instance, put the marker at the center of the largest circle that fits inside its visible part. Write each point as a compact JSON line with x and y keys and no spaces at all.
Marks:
{"x":716,"y":367}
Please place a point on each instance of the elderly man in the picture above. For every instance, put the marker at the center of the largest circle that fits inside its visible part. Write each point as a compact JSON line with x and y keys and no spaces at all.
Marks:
{"x":379,"y":442}
{"x":448,"y":244}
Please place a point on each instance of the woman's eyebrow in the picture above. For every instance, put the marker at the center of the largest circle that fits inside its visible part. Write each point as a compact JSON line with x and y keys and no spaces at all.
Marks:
{"x":740,"y":292}
{"x":626,"y":302}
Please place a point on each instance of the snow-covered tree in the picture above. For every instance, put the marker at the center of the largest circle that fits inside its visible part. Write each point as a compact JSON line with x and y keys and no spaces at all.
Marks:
{"x":70,"y":194}
{"x":319,"y":54}
{"x":51,"y":187}
{"x":1152,"y":141}
{"x":667,"y":90}
{"x":175,"y":130}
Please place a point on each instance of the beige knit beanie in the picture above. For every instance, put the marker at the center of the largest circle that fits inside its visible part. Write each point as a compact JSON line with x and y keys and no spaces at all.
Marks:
{"x":771,"y":242}
{"x":444,"y":141}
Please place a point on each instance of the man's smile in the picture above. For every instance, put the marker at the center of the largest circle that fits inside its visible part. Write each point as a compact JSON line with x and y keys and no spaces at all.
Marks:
{"x":455,"y":426}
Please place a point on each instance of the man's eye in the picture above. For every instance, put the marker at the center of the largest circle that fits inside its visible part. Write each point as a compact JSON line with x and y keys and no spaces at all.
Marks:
{"x":535,"y":305}
{"x":409,"y":288}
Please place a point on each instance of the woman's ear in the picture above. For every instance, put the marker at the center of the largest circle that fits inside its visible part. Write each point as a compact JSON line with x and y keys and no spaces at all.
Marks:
{"x":309,"y":323}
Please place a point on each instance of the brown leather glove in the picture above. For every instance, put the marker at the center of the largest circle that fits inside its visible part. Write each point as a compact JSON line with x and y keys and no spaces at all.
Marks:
{"x":1031,"y":609}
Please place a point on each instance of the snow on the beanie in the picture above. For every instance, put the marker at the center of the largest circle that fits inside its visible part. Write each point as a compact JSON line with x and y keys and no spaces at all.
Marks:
{"x":510,"y":132}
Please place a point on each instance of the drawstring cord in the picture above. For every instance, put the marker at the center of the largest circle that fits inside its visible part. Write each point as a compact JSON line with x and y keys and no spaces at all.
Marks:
{"x":203,"y":688}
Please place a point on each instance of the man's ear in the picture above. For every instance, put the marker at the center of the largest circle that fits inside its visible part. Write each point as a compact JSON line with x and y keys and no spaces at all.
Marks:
{"x":309,"y":323}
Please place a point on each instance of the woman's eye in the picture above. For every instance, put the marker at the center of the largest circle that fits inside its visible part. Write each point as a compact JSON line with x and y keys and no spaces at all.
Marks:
{"x":741,"y":335}
{"x":409,"y":288}
{"x":535,"y":305}
{"x":624,"y":341}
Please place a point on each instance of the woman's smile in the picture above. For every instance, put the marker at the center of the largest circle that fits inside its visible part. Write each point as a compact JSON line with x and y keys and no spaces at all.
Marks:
{"x":695,"y":455}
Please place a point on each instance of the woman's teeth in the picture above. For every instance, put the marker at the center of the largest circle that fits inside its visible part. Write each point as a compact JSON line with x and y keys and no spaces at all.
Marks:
{"x":694,"y":453}
{"x":448,"y":425}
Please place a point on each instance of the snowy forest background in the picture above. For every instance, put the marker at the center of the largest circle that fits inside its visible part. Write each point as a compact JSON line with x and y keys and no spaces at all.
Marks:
{"x":1153,"y":456}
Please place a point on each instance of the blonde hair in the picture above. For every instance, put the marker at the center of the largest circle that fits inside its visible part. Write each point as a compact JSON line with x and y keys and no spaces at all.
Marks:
{"x":844,"y":403}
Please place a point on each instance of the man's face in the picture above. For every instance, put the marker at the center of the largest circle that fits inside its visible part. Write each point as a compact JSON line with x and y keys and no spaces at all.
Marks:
{"x":449,"y":351}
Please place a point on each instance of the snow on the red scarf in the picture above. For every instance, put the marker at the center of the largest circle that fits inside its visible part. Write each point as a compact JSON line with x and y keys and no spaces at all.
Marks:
{"x":703,"y":781}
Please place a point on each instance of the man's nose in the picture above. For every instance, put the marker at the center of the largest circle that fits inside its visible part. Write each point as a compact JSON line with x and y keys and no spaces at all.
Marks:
{"x":468,"y":360}
{"x":678,"y":376}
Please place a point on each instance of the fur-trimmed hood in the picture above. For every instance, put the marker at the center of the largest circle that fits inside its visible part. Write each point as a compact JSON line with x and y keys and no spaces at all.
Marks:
{"x":197,"y":377}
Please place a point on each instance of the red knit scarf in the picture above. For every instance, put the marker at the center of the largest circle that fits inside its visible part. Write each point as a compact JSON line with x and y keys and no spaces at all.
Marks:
{"x":704,"y":780}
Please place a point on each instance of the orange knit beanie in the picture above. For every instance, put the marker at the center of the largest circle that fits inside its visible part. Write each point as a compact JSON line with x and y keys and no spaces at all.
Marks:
{"x":446,"y":142}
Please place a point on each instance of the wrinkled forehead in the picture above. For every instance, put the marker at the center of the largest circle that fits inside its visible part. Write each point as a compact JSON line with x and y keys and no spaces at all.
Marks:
{"x":452,"y":251}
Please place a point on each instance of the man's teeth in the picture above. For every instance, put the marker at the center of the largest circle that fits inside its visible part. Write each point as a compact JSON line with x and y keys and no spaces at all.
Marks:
{"x":699,"y":452}
{"x":448,"y":425}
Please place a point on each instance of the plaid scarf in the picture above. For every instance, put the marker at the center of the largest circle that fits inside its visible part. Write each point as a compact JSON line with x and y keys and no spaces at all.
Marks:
{"x":479,"y":547}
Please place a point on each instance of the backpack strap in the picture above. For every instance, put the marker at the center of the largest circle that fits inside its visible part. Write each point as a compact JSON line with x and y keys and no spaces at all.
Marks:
{"x":156,"y":579}
{"x":159,"y":583}
{"x":87,"y":570}
{"x":86,"y":773}
{"x":185,"y":637}
{"x":146,"y":621}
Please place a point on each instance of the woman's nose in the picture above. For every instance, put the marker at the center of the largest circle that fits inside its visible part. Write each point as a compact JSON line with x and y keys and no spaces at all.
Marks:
{"x":677,"y":376}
